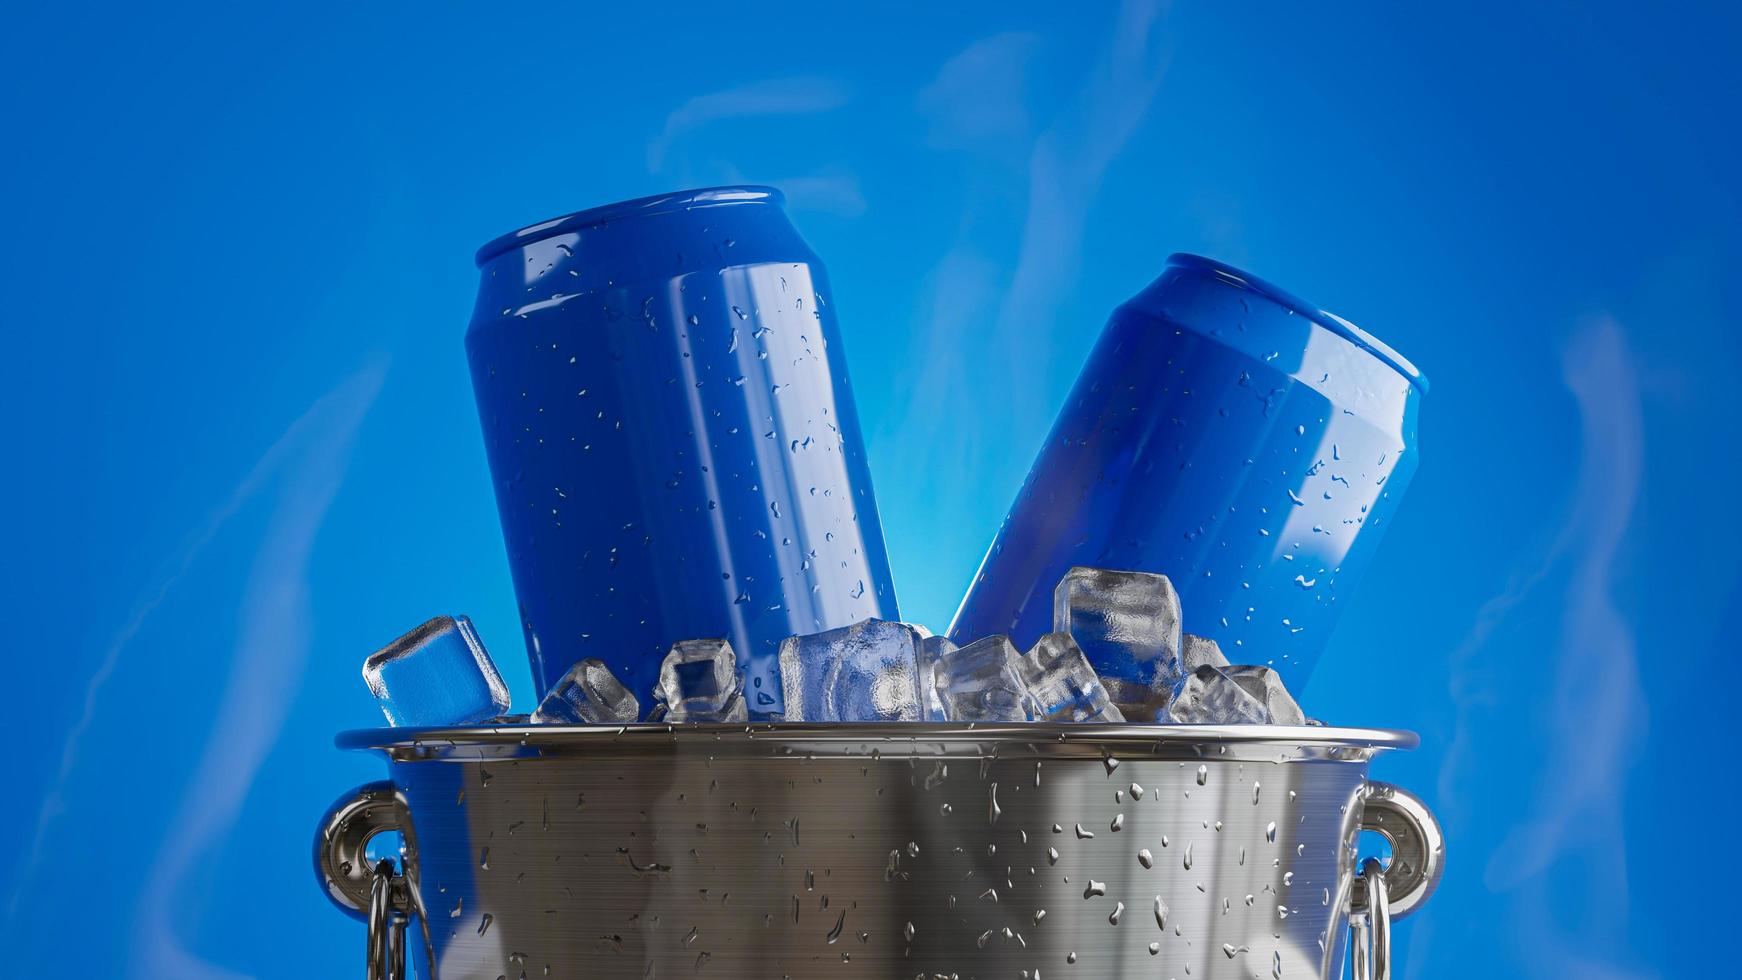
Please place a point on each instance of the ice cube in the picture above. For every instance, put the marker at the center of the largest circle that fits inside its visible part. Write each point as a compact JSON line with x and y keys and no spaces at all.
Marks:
{"x":869,"y":671}
{"x":1062,"y":684}
{"x":932,"y":649}
{"x":1266,"y":685}
{"x":437,"y":674}
{"x":1195,"y":651}
{"x":983,"y":682}
{"x":1138,"y":702}
{"x":1126,"y":623}
{"x":699,"y":682}
{"x":1208,"y":696}
{"x":589,"y":694}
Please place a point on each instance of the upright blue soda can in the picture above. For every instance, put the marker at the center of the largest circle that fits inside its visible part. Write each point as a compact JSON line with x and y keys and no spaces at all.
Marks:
{"x":1248,"y":445}
{"x":672,"y":437}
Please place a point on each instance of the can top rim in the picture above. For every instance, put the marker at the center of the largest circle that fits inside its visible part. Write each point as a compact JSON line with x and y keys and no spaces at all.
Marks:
{"x":1324,"y":318}
{"x":888,"y":738}
{"x":640,"y":207}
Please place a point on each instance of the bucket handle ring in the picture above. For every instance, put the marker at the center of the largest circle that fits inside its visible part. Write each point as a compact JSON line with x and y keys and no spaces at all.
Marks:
{"x":375,"y":893}
{"x":1380,"y":893}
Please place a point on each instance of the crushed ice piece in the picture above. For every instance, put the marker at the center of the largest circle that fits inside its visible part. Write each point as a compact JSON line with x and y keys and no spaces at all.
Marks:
{"x":932,"y":650}
{"x":1142,"y":703}
{"x":1265,"y":684}
{"x":869,"y":671}
{"x":1196,"y":651}
{"x":1126,"y":623}
{"x":983,"y":682}
{"x":589,"y":694}
{"x":1208,"y":696}
{"x":698,"y":681}
{"x":1063,"y":685}
{"x":437,"y":674}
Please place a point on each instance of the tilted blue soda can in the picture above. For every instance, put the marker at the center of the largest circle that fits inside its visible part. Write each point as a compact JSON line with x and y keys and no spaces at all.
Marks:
{"x":1248,"y":445}
{"x":672,"y":436}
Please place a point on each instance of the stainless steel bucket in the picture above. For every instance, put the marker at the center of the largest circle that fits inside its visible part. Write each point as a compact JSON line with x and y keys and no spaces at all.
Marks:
{"x":878,"y":851}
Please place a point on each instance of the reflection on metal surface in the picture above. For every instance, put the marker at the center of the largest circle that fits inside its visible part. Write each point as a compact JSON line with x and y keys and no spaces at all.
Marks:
{"x":878,"y":851}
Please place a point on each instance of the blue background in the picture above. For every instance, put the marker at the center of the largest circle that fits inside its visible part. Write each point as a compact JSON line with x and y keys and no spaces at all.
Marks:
{"x":237,"y":270}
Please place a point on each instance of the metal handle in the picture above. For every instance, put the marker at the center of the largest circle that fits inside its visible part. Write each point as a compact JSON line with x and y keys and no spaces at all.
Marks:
{"x":375,"y":893}
{"x":1370,"y":929}
{"x":1380,"y":893}
{"x":386,"y":949}
{"x":1418,"y":848}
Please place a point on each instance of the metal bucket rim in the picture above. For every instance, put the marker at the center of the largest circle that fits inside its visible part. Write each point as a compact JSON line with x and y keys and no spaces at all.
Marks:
{"x":884,"y":739}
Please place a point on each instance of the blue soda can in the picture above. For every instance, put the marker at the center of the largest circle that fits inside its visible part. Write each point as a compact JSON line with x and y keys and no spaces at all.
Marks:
{"x":672,"y":437}
{"x":1248,"y":445}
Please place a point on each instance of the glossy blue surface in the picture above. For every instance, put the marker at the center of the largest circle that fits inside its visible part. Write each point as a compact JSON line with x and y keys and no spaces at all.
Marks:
{"x":672,"y":435}
{"x":243,"y":450}
{"x":1230,"y":436}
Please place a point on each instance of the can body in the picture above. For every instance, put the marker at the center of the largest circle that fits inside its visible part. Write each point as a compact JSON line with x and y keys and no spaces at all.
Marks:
{"x":1223,"y":433}
{"x":672,"y":437}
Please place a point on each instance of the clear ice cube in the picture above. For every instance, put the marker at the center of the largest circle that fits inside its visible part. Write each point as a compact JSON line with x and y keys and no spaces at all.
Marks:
{"x":589,"y":694}
{"x":1126,"y":623}
{"x":437,"y":674}
{"x":869,"y":671}
{"x":1265,"y":684}
{"x":1196,"y":651}
{"x":983,"y":682}
{"x":1139,"y":702}
{"x":699,"y":682}
{"x":932,"y":650}
{"x":1062,"y":684}
{"x":1208,"y":696}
